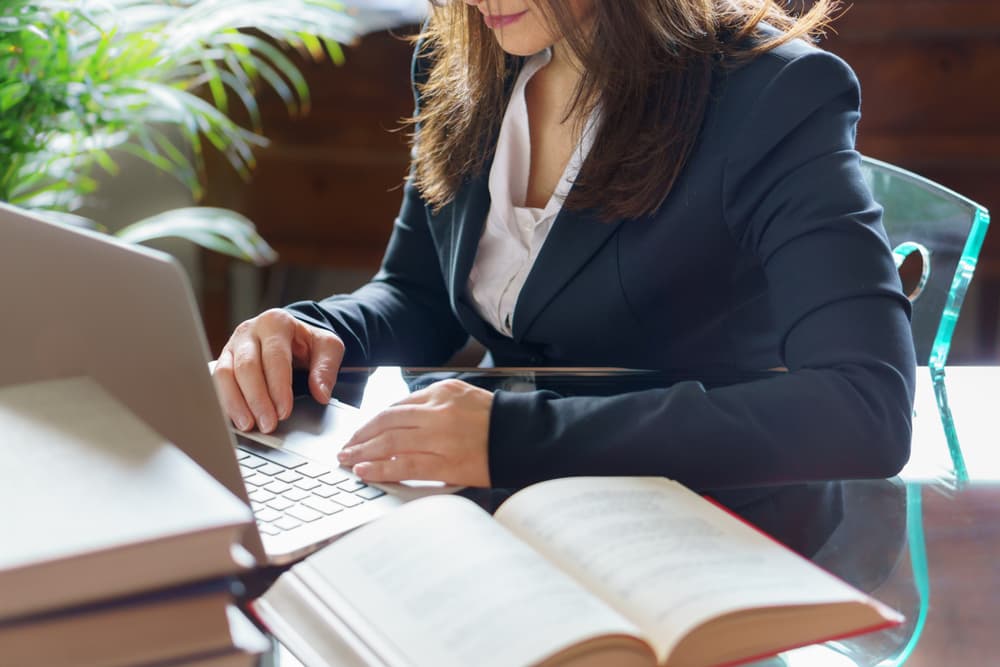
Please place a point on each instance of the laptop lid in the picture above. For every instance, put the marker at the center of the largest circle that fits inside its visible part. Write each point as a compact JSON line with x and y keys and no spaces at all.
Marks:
{"x":80,"y":303}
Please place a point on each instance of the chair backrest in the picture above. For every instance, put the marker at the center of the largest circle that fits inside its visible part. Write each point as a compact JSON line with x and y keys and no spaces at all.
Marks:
{"x":946,"y":231}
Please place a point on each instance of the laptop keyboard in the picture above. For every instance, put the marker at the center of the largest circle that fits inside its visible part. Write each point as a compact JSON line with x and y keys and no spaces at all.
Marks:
{"x":288,"y":491}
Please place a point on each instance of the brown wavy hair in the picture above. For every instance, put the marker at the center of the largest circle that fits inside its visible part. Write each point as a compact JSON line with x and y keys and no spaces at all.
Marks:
{"x":648,"y":65}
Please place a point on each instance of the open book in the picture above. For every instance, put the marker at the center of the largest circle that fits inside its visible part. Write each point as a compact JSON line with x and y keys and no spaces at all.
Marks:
{"x":577,"y":571}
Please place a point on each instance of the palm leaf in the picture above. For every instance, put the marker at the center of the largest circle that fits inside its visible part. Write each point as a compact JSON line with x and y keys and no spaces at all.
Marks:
{"x":218,"y":229}
{"x":73,"y":71}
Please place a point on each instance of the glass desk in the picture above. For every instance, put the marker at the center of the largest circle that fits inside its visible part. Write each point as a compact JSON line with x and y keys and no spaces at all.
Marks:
{"x":925,"y":542}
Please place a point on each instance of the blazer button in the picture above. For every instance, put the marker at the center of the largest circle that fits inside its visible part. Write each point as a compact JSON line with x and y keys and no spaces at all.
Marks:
{"x":537,"y":359}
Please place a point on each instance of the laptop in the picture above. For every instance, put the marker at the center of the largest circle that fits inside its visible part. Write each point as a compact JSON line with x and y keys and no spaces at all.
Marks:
{"x":77,"y":302}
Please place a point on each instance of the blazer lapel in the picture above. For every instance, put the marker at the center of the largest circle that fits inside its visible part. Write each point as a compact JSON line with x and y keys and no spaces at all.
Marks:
{"x":574,"y":238}
{"x":468,"y":216}
{"x":468,"y":212}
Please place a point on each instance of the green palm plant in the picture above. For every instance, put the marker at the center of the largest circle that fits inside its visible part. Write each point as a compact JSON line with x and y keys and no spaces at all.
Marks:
{"x":83,"y":82}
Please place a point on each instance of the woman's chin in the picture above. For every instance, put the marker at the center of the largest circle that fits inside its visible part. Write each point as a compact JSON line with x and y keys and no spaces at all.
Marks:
{"x":521,"y":47}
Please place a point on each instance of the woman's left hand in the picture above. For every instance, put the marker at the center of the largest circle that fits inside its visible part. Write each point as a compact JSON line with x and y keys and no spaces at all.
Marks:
{"x":437,"y":433}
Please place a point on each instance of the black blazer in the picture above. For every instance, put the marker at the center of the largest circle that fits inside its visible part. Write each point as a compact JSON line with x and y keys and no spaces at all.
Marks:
{"x":769,"y":252}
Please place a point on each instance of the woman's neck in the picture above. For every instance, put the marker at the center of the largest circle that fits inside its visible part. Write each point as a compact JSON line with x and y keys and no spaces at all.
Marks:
{"x":564,"y":70}
{"x":557,"y":81}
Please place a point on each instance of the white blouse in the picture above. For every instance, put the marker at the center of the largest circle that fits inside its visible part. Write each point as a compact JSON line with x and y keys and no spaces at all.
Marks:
{"x":513,"y":233}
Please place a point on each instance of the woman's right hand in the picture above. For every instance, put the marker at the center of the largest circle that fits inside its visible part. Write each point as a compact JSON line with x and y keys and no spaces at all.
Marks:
{"x":253,"y":374}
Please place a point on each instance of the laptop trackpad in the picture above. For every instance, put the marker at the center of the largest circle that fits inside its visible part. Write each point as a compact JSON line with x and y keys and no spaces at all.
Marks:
{"x":319,"y":432}
{"x":313,"y":430}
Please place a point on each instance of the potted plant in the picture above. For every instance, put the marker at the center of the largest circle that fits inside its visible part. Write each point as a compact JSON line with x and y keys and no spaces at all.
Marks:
{"x":84,"y":82}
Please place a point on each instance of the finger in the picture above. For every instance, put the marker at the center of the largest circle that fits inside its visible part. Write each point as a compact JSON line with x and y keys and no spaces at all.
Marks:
{"x":441,"y":389}
{"x":407,"y":466}
{"x":385,"y":445}
{"x":250,"y":378}
{"x":419,"y":397}
{"x":326,"y":352}
{"x":229,"y":392}
{"x":396,"y":416}
{"x":275,"y":334}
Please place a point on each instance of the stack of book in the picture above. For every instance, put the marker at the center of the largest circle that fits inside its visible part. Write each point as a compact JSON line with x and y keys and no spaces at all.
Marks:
{"x":115,"y":547}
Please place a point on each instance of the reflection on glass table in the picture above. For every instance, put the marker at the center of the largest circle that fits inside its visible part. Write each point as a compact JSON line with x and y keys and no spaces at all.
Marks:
{"x":923,"y":542}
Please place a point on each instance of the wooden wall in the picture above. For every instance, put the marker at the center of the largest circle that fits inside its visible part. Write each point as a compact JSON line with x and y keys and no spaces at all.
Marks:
{"x":961,"y":554}
{"x":325,"y":193}
{"x":930,"y":81}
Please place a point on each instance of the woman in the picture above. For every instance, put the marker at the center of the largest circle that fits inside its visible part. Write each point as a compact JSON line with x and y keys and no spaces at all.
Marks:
{"x":667,"y":184}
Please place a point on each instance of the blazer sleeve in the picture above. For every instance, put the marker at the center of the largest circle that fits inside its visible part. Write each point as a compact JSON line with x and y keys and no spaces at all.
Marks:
{"x":793,"y":196}
{"x":403,"y":315}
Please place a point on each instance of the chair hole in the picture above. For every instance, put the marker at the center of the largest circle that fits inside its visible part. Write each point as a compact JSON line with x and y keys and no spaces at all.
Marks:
{"x":913,"y":264}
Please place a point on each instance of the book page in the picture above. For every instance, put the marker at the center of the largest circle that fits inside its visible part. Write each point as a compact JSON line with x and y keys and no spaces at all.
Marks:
{"x":661,"y":554}
{"x":438,"y":582}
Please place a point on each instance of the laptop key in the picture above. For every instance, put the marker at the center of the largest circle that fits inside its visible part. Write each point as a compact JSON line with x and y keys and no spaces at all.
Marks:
{"x":286,"y":523}
{"x":250,"y":461}
{"x":260,"y":495}
{"x":271,"y":469}
{"x":277,"y":487}
{"x":279,"y":456}
{"x":303,"y":513}
{"x":369,"y":493}
{"x":295,"y":494}
{"x":347,"y":500}
{"x":307,"y":484}
{"x":325,"y":491}
{"x":267,"y":514}
{"x":313,"y":469}
{"x":351,"y":485}
{"x":334,"y":477}
{"x":324,"y":506}
{"x":257,"y":480}
{"x":280,"y":504}
{"x":288,"y":476}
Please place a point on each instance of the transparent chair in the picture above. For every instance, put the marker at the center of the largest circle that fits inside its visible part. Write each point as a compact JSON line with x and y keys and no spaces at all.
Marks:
{"x":943,"y":231}
{"x":936,"y":236}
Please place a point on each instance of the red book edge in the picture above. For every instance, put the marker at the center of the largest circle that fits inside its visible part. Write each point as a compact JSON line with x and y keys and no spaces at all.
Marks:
{"x":855,"y":633}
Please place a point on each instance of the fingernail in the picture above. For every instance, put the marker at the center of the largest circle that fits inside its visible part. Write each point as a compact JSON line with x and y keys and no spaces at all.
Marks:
{"x":345,"y":454}
{"x":266,"y":424}
{"x":243,"y":423}
{"x":362,"y":470}
{"x":325,"y":389}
